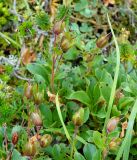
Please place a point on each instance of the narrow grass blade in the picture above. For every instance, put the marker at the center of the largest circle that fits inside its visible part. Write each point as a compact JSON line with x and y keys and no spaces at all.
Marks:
{"x":115,"y":78}
{"x":80,"y":139}
{"x":125,"y":147}
{"x":9,"y":40}
{"x":61,"y":119}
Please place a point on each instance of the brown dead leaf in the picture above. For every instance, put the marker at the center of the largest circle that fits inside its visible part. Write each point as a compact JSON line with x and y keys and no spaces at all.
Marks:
{"x":28,"y":56}
{"x":32,"y":1}
{"x":53,"y":8}
{"x":2,"y":69}
{"x":41,"y":41}
{"x":51,"y":96}
{"x":118,"y":95}
{"x":109,"y":2}
{"x":124,"y":127}
{"x":35,"y":138}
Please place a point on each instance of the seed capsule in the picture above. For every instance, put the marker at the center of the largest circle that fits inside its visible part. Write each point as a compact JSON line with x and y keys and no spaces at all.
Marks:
{"x":45,"y":140}
{"x":36,"y":119}
{"x":78,"y":117}
{"x":65,"y":44}
{"x":38,"y":97}
{"x":29,"y":149}
{"x":112,"y":124}
{"x":57,"y":28}
{"x":102,"y":41}
{"x":15,"y":138}
{"x":113,"y":145}
{"x":28,"y":90}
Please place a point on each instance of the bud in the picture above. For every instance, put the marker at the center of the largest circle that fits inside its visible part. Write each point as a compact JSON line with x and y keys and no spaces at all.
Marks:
{"x":102,"y":41}
{"x":15,"y":138}
{"x":78,"y":117}
{"x":113,"y":145}
{"x":29,"y":149}
{"x":45,"y":140}
{"x":57,"y":28}
{"x":36,"y":119}
{"x":112,"y":124}
{"x":28,"y":90}
{"x":65,"y":44}
{"x":38,"y":94}
{"x":38,"y":97}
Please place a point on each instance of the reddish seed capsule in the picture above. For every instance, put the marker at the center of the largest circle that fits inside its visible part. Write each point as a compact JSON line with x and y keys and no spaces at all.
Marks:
{"x":65,"y":44}
{"x":15,"y":138}
{"x":101,"y":42}
{"x":45,"y":140}
{"x":30,"y":149}
{"x":36,"y":119}
{"x":57,"y":28}
{"x":28,"y":90}
{"x":112,"y":124}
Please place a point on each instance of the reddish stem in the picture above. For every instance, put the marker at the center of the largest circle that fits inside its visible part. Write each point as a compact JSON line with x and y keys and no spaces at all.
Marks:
{"x":53,"y":66}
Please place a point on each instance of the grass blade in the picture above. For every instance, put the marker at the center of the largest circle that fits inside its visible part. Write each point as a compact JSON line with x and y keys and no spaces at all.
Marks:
{"x":80,"y":139}
{"x":115,"y":77}
{"x":9,"y":40}
{"x":125,"y":147}
{"x":61,"y":119}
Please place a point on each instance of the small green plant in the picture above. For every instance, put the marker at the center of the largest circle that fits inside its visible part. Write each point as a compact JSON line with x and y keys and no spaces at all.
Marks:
{"x":68,"y":80}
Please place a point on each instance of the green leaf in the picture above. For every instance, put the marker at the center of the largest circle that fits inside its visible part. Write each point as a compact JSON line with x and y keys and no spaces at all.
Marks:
{"x":39,"y":69}
{"x":89,"y":150}
{"x":17,"y":156}
{"x":81,"y":96}
{"x":115,"y":111}
{"x":80,"y":139}
{"x":98,"y":140}
{"x":97,"y":155}
{"x":71,"y":54}
{"x":56,"y":151}
{"x":80,"y":6}
{"x":59,"y":151}
{"x":78,"y":156}
{"x":87,"y":12}
{"x":47,"y":115}
{"x":86,"y":114}
{"x":85,"y":28}
{"x":75,"y":27}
